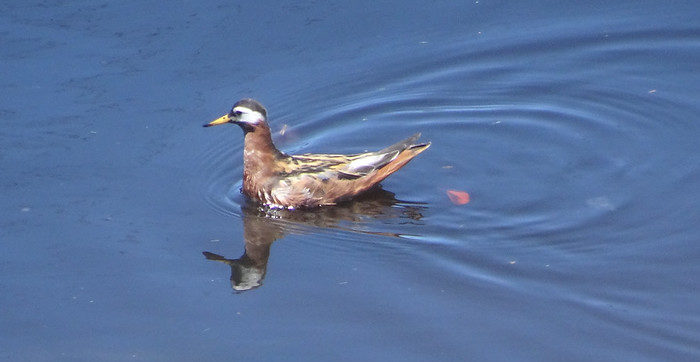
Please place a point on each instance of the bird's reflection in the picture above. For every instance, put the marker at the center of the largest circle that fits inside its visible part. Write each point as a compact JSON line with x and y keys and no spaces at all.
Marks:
{"x":262,"y":226}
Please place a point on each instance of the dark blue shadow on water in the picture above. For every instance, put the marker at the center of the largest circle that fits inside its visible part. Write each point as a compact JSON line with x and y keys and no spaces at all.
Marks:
{"x":263,"y":226}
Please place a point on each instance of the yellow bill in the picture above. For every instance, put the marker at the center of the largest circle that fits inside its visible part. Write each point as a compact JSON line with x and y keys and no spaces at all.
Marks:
{"x":221,"y":120}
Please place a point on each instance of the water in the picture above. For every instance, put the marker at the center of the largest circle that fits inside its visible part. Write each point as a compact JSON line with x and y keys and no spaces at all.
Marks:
{"x":573,"y":127}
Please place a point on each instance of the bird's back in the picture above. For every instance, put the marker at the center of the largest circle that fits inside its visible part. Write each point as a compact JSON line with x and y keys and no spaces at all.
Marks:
{"x":311,"y":180}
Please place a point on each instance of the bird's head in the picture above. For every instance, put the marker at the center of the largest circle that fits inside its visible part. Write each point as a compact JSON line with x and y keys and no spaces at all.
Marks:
{"x":247,"y":113}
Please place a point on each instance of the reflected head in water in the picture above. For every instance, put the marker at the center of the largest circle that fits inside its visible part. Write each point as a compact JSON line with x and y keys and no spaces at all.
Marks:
{"x":262,"y":226}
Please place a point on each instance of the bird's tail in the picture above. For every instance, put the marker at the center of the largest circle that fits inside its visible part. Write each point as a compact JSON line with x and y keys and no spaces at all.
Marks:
{"x":401,"y":145}
{"x":408,"y":151}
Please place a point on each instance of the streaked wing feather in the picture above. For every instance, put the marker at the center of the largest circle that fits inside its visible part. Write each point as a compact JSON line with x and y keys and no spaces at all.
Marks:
{"x":348,"y":166}
{"x":369,"y":163}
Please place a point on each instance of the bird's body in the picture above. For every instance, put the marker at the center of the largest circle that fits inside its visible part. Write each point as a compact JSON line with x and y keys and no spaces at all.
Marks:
{"x":276,"y":179}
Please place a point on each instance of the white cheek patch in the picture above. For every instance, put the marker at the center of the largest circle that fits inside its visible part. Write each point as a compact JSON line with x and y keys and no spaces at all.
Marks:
{"x":248,"y":115}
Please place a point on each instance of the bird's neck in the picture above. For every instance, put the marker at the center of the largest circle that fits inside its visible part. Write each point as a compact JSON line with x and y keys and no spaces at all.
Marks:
{"x":260,"y":157}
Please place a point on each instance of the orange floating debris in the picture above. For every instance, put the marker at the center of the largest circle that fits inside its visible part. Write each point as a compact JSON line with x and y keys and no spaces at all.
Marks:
{"x":458,"y":197}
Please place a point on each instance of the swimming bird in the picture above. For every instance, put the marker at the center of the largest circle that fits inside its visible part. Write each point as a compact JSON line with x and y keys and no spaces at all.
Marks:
{"x":279,"y":180}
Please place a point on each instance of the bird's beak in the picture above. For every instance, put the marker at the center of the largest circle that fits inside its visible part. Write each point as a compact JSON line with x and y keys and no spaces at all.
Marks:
{"x":221,"y":120}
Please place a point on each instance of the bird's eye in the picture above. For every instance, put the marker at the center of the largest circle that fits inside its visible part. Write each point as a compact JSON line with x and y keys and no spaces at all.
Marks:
{"x":236,"y":113}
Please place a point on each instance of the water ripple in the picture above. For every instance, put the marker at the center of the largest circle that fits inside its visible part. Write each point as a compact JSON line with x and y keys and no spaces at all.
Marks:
{"x":548,"y":148}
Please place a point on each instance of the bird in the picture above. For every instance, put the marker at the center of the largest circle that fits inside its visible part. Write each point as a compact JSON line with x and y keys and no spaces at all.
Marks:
{"x":281,"y":181}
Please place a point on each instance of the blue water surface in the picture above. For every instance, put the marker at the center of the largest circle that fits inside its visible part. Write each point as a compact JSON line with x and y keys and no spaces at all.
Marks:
{"x":573,"y":126}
